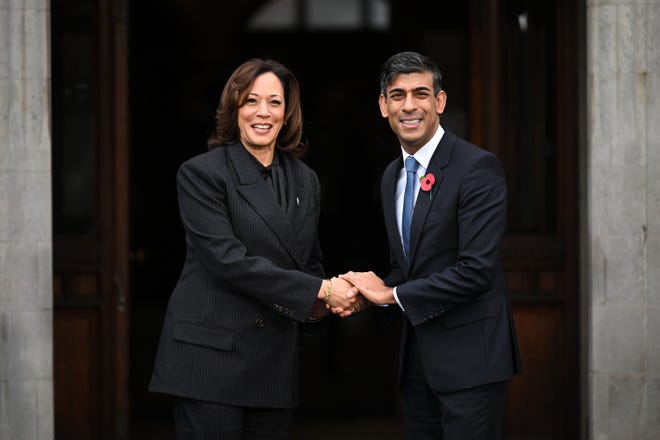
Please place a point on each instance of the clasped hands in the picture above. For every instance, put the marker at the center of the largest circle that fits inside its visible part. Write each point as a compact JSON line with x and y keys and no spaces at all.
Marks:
{"x":353,"y":292}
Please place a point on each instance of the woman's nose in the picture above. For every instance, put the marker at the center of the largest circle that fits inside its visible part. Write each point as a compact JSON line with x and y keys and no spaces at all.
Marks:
{"x":262,"y":109}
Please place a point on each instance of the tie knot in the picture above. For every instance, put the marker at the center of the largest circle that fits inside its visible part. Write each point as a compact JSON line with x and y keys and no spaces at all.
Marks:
{"x":411,"y":164}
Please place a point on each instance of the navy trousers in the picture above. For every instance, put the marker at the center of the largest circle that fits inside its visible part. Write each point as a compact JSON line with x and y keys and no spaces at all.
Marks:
{"x":474,"y":413}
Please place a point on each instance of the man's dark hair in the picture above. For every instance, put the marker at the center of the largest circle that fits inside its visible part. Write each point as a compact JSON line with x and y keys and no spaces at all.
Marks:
{"x":409,"y":62}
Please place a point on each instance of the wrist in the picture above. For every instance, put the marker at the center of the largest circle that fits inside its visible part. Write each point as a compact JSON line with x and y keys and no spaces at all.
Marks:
{"x":326,"y":290}
{"x":391,"y":296}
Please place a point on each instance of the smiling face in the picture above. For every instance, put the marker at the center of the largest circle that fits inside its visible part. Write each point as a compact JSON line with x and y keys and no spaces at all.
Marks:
{"x":412,"y":109}
{"x":261,"y":117}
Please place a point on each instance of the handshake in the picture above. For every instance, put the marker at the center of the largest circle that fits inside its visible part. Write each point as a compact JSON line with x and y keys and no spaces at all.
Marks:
{"x":350,"y":293}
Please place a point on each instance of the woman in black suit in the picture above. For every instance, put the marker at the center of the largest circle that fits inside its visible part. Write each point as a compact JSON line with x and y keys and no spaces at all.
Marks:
{"x":252,"y":278}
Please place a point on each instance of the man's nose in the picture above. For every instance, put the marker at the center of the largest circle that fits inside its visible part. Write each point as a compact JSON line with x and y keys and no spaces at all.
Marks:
{"x":409,"y":102}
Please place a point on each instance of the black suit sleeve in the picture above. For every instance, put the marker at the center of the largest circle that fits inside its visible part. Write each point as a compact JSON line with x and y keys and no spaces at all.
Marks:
{"x":204,"y":204}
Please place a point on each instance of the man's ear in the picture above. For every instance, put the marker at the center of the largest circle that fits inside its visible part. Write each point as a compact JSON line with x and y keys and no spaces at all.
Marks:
{"x":382,"y":103}
{"x":440,"y":102}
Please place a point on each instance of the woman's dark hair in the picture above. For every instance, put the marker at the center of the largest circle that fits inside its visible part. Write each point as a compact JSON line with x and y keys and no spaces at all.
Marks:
{"x":409,"y":62}
{"x":234,"y":95}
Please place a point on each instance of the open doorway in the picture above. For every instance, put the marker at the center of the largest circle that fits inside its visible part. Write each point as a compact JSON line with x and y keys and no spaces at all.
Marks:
{"x":177,"y":77}
{"x":495,"y":75}
{"x":510,"y":75}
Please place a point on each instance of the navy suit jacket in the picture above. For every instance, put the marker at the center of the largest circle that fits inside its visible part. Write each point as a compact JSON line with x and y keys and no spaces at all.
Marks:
{"x":232,"y":329}
{"x":453,"y":288}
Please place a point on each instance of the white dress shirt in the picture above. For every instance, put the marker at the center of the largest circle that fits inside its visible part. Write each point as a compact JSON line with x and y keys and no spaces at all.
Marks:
{"x":423,"y":157}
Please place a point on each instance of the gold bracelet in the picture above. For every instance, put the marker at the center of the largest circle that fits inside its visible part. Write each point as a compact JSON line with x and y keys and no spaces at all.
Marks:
{"x":328,"y":292}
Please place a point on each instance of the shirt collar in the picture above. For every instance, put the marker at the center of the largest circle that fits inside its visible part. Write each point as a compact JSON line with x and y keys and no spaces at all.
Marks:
{"x":424,"y":154}
{"x":261,"y":167}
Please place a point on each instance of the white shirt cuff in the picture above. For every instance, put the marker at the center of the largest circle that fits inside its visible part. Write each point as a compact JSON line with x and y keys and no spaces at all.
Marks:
{"x":396,"y":298}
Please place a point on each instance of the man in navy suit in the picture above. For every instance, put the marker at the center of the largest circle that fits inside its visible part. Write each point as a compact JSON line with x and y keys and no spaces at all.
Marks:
{"x":444,"y":204}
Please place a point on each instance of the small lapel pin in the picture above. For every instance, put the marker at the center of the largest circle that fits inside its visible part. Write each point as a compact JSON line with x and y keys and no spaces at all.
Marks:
{"x":297,"y":201}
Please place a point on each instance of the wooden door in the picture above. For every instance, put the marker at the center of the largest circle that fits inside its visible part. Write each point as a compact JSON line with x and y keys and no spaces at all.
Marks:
{"x":511,"y":75}
{"x":89,"y":88}
{"x":524,"y":95}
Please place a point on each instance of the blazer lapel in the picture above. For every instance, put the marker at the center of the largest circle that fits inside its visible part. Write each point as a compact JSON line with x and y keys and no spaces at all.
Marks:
{"x":299,"y":195}
{"x":425,"y":200}
{"x":389,"y":211}
{"x":254,"y":190}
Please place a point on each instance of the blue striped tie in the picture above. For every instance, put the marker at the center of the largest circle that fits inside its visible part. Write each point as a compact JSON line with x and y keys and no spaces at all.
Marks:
{"x":408,"y":202}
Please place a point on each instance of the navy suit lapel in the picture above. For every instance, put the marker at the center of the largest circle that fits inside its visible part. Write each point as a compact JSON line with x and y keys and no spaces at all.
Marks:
{"x":425,"y":200}
{"x":389,"y":211}
{"x":255,"y":191}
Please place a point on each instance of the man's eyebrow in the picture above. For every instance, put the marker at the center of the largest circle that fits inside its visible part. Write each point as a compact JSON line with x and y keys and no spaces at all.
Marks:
{"x":416,"y":89}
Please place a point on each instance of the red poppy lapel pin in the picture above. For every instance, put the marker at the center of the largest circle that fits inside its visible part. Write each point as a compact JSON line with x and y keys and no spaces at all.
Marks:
{"x":426,"y":184}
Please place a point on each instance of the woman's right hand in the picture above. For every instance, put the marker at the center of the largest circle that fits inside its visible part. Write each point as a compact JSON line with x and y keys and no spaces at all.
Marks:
{"x":334,"y":293}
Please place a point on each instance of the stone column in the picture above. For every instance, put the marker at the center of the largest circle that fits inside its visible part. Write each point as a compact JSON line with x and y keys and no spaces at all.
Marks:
{"x":26,"y":300}
{"x":622,"y":329}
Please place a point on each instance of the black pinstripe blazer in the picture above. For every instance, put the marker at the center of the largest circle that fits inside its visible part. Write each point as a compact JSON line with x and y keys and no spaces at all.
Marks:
{"x":252,"y":271}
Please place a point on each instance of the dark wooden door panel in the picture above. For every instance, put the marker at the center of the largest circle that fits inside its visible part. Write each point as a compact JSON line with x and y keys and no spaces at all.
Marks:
{"x":77,"y":374}
{"x":522,"y":94}
{"x":90,"y":194}
{"x":535,"y":404}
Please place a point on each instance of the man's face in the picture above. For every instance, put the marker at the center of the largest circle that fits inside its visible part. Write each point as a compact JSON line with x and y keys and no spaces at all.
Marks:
{"x":412,"y":109}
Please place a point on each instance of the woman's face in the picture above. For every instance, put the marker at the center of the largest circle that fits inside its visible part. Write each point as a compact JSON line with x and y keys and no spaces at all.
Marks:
{"x":261,"y":117}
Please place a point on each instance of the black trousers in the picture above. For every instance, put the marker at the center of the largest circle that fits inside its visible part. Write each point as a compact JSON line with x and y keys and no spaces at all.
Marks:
{"x":474,"y":414}
{"x":197,"y":420}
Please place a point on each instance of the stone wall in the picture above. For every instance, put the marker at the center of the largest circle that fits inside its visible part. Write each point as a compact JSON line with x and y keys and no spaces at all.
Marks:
{"x":622,"y":279}
{"x":26,"y":324}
